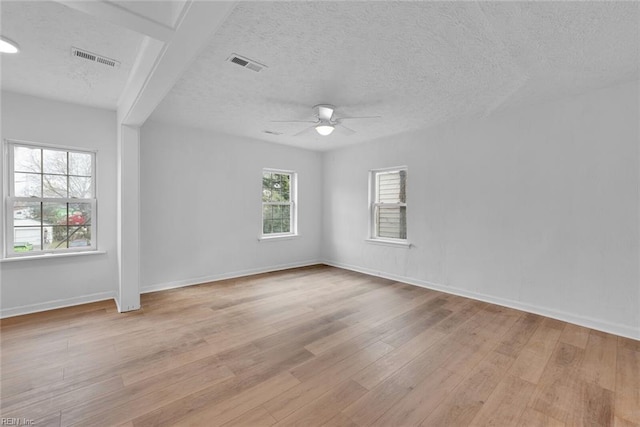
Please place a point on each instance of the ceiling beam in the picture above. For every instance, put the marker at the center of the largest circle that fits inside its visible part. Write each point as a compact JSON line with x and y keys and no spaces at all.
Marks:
{"x":118,"y":15}
{"x":159,"y":66}
{"x":149,"y":55}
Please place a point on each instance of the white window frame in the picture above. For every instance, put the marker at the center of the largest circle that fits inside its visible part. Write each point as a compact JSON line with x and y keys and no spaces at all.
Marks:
{"x":10,"y":198}
{"x":293,"y":203}
{"x":373,"y":204}
{"x":293,"y":210}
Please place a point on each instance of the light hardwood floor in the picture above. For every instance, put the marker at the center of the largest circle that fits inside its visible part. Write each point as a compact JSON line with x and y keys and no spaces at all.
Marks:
{"x":313,"y":346}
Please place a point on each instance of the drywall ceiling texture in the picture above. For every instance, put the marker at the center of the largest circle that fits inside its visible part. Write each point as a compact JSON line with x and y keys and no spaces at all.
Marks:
{"x":159,"y":11}
{"x":46,"y":31}
{"x":414,"y":63}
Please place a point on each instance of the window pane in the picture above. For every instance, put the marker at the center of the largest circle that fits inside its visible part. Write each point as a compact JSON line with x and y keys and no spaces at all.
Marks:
{"x":26,"y":238}
{"x":276,"y":187}
{"x":266,"y":194}
{"x":80,"y":164}
{"x":391,"y":187}
{"x":27,"y":185}
{"x":282,"y":218}
{"x":27,"y":227}
{"x":79,"y":237}
{"x":59,"y":237}
{"x":391,"y":222}
{"x":266,"y":187}
{"x":54,"y":162}
{"x":49,"y":237}
{"x":54,"y":222}
{"x":267,"y":219}
{"x":276,"y":219}
{"x":26,"y":159}
{"x":54,"y":186}
{"x":26,"y":212}
{"x":267,"y":212}
{"x":79,"y":214}
{"x":54,"y":213}
{"x":80,"y":187}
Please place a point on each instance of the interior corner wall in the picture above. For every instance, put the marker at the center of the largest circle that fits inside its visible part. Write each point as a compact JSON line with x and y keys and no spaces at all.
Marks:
{"x":201,"y":213}
{"x":40,"y":284}
{"x":536,"y":208}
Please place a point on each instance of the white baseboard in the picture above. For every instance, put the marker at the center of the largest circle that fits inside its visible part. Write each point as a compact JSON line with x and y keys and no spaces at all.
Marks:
{"x":588,"y":322}
{"x":598,"y":324}
{"x":52,"y":305}
{"x":62,"y":303}
{"x":116,"y":298}
{"x":223,"y":276}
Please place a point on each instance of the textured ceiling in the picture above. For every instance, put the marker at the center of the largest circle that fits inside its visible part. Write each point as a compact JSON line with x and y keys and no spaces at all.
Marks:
{"x":46,"y":31}
{"x":161,"y":11}
{"x":414,"y":63}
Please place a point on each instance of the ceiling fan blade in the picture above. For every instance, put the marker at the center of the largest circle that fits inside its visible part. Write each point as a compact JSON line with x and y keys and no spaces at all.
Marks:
{"x":346,"y":130}
{"x":294,"y":121}
{"x":363,"y":117}
{"x":304,"y":130}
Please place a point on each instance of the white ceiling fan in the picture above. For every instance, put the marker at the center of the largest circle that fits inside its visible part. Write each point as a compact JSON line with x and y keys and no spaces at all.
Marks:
{"x":326,"y":121}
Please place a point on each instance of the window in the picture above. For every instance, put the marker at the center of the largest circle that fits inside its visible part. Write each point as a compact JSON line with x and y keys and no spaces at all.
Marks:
{"x":51,"y":200}
{"x":278,"y":202}
{"x":389,"y":204}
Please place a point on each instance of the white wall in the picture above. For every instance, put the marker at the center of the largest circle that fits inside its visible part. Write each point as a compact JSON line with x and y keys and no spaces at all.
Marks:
{"x":201,"y":206}
{"x":33,"y":285}
{"x":535,"y":208}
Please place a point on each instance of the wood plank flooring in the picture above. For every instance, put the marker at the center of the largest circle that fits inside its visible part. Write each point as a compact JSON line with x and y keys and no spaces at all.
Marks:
{"x":316,"y":346}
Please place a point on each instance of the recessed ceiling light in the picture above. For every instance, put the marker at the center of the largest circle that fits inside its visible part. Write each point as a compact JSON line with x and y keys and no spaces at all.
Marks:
{"x":324,"y":130}
{"x":8,"y":46}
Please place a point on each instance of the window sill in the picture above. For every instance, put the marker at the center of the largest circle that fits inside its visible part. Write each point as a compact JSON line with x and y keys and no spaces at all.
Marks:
{"x":401,"y":244}
{"x":278,"y":238}
{"x":50,"y":256}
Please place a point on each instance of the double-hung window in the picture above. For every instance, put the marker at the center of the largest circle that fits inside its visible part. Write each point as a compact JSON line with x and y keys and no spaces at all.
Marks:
{"x":388,"y":207}
{"x":278,"y":203}
{"x":51,"y":202}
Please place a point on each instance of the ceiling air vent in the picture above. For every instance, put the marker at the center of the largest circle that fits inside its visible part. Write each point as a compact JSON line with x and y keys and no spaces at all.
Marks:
{"x":246,"y":62}
{"x":89,"y":56}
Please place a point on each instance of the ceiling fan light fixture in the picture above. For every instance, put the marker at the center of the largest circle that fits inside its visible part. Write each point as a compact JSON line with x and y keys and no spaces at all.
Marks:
{"x":8,"y":46}
{"x":324,"y":130}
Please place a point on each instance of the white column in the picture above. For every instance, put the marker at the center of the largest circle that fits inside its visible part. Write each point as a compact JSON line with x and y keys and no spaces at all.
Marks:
{"x":128,"y":218}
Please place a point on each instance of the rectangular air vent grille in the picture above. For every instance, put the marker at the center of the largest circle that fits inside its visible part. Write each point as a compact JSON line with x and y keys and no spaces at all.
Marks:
{"x":89,"y":56}
{"x":239,"y":61}
{"x":247,"y":63}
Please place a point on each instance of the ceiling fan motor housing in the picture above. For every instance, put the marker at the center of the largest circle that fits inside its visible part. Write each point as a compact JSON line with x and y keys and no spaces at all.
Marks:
{"x":324,"y":112}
